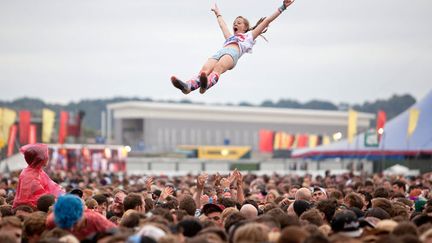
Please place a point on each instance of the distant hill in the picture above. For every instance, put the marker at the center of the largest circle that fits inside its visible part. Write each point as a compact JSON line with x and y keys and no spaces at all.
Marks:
{"x":93,"y":108}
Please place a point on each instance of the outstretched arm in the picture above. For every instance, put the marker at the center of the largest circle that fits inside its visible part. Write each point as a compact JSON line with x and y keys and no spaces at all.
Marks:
{"x":264,"y":24}
{"x":201,"y":179}
{"x":221,"y":22}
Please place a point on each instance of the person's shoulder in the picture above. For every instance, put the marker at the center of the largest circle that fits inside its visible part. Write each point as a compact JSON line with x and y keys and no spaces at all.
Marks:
{"x":94,"y":216}
{"x":91,"y":213}
{"x":249,"y":33}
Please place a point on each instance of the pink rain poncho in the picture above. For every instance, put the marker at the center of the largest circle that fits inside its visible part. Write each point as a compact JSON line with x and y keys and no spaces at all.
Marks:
{"x":33,"y":181}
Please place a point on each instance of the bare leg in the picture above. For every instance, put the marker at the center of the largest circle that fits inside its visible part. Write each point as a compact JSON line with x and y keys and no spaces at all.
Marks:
{"x":225,"y":63}
{"x":209,"y":66}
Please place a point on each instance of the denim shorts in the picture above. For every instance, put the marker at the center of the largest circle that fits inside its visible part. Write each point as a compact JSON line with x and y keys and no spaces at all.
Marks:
{"x":234,"y":53}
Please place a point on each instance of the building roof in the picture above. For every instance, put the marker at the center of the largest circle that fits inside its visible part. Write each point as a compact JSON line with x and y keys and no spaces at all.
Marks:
{"x":136,"y":110}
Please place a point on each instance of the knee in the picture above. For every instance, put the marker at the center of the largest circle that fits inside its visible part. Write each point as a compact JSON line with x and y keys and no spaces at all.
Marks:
{"x":219,"y":69}
{"x":207,"y":71}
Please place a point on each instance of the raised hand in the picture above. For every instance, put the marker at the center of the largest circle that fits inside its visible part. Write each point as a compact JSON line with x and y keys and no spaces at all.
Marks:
{"x":167,"y":191}
{"x":149,"y":183}
{"x":285,"y":202}
{"x":232,"y":177}
{"x":239,"y":178}
{"x":204,"y":199}
{"x":225,"y":183}
{"x":201,"y":180}
{"x":217,"y":179}
{"x":216,"y":10}
{"x":286,"y":3}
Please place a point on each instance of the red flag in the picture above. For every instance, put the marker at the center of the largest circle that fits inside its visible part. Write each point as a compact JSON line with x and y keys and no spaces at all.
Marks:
{"x":32,"y":134}
{"x":11,"y":140}
{"x":266,"y":141}
{"x":24,"y":126}
{"x":302,"y":141}
{"x":74,"y":129}
{"x":291,"y":140}
{"x":63,"y":128}
{"x":381,"y":120}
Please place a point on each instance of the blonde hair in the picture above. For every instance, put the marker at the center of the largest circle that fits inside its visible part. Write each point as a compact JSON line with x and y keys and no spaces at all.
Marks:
{"x":13,"y":221}
{"x":91,"y":203}
{"x":251,"y":233}
{"x":227,"y":212}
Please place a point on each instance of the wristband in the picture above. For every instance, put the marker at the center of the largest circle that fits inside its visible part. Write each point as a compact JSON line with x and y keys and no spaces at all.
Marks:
{"x":217,"y":16}
{"x":282,"y":8}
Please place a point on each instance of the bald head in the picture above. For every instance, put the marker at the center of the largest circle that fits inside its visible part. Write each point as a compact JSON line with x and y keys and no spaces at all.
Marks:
{"x":303,"y":194}
{"x":249,"y":211}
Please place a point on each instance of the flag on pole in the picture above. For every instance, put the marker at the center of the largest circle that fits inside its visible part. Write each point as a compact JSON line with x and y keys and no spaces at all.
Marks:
{"x":413,"y":119}
{"x":266,"y":141}
{"x":63,"y":128}
{"x":326,"y":140}
{"x":381,"y":120}
{"x":7,"y":119}
{"x":313,"y":140}
{"x":48,"y":119}
{"x":352,"y":125}
{"x":24,"y":126}
{"x":303,"y":141}
{"x":11,"y":140}
{"x":285,"y":141}
{"x":32,"y":134}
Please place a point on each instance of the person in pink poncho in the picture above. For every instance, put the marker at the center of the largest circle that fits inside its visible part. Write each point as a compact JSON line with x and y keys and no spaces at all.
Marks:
{"x":33,"y":181}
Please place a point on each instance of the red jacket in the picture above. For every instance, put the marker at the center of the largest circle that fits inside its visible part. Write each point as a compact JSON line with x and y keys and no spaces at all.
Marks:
{"x":94,"y":222}
{"x":32,"y":184}
{"x":33,"y":181}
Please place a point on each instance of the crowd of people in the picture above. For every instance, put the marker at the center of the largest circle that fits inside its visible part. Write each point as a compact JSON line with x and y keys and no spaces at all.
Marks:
{"x":60,"y":206}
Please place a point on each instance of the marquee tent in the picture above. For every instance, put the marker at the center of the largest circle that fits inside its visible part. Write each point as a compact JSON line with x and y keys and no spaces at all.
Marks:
{"x":407,"y":135}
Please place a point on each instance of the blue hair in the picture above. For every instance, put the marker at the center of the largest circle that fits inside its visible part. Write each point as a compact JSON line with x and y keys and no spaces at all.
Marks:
{"x":67,"y":211}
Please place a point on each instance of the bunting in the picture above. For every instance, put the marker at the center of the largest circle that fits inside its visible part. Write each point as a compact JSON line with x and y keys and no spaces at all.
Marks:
{"x":7,"y":119}
{"x":266,"y":141}
{"x":352,"y":125}
{"x":413,"y":119}
{"x":11,"y":140}
{"x":48,"y":119}
{"x":381,"y":120}
{"x":24,"y":126}
{"x":63,"y":127}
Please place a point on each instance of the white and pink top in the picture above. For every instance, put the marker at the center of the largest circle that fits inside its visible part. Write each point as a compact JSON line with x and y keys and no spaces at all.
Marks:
{"x":245,"y":42}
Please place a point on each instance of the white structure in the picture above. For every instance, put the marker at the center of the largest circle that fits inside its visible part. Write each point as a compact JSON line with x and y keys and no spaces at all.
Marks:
{"x":161,"y":127}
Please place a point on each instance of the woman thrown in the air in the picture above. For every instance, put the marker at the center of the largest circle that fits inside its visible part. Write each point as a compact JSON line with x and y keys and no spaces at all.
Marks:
{"x":234,"y":47}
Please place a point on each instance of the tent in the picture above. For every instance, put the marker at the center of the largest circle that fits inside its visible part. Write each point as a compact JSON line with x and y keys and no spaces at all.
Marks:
{"x":400,"y":170}
{"x":13,"y":163}
{"x":395,"y":143}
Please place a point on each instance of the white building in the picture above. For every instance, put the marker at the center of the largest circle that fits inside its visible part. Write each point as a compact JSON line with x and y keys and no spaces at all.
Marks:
{"x":161,"y":127}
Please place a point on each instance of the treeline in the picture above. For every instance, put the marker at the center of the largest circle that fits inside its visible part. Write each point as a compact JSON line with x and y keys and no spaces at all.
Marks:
{"x":93,"y":108}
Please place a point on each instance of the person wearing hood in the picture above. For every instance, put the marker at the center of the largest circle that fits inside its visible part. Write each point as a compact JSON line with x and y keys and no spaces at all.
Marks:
{"x":33,"y":182}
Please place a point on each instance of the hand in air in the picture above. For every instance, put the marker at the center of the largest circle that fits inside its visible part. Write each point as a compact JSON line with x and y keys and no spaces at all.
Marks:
{"x":239,"y":178}
{"x":287,"y":3}
{"x":225,"y":183}
{"x":217,"y":179}
{"x":167,"y":191}
{"x":204,"y":199}
{"x":201,"y":180}
{"x":149,"y":183}
{"x":215,"y":9}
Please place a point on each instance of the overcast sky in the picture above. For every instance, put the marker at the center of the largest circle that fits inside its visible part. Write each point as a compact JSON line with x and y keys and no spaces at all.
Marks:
{"x":335,"y":50}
